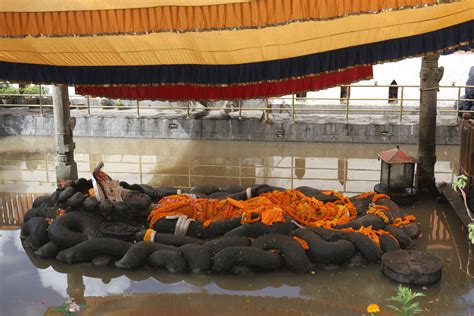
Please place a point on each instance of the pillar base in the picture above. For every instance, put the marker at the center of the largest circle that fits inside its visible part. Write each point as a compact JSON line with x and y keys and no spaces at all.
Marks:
{"x":66,"y":171}
{"x":401,"y":198}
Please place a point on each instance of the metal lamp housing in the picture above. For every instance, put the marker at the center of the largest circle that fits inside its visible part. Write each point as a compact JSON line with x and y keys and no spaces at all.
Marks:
{"x":397,"y":170}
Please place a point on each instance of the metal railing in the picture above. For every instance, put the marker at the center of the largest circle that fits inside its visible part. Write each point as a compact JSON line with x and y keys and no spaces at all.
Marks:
{"x":292,"y":107}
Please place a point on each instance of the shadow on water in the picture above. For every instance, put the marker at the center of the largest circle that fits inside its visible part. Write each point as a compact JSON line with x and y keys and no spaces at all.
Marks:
{"x":32,"y":286}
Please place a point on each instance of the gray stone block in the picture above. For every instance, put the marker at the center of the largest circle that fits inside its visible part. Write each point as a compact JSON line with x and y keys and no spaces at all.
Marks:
{"x":96,"y":123}
{"x":325,"y":138}
{"x":44,"y":132}
{"x":329,"y":129}
{"x":342,"y":129}
{"x":209,"y":126}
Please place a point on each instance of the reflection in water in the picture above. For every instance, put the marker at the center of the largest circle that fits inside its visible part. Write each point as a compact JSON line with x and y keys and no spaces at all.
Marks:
{"x":27,"y":164}
{"x":31,"y":286}
{"x":13,"y":207}
{"x":342,"y":171}
{"x":300,"y":167}
{"x":339,"y":291}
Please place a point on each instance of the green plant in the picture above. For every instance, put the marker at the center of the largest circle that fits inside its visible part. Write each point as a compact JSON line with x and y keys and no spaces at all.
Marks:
{"x":470,"y":228}
{"x":458,"y":185}
{"x":33,"y":89}
{"x":405,"y":300}
{"x":69,"y":308}
{"x":9,"y":90}
{"x":105,"y":102}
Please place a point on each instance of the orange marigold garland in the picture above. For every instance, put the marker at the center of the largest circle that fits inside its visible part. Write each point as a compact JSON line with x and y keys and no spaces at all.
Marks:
{"x":269,"y":208}
{"x":379,"y":210}
{"x":365,"y":195}
{"x":373,"y":234}
{"x":272,"y":207}
{"x":302,"y":242}
{"x":405,"y":220}
{"x":379,"y":196}
{"x":148,"y":235}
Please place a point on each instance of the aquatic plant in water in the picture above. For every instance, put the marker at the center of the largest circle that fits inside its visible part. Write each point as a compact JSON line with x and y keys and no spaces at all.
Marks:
{"x":70,"y":307}
{"x":404,"y":298}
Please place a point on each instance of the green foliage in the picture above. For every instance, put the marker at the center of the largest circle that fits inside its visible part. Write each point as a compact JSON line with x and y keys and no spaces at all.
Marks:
{"x":34,"y":89}
{"x":460,"y":183}
{"x":69,"y":308}
{"x":404,"y":299}
{"x":470,"y":228}
{"x":7,"y":89}
{"x":105,"y":102}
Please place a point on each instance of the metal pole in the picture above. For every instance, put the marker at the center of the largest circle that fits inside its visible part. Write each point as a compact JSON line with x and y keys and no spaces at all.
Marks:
{"x":88,"y":106}
{"x":41,"y":101}
{"x":138,"y":108}
{"x":430,"y":75}
{"x":347,"y":103}
{"x":292,"y":108}
{"x":240,"y":172}
{"x":459,"y":102}
{"x":240,"y":109}
{"x":140,"y":168}
{"x":401,"y":104}
{"x":66,"y":168}
{"x":266,"y":115}
{"x":187,"y":109}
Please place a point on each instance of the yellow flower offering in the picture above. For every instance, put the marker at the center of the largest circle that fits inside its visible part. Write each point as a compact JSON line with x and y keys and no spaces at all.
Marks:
{"x":373,"y":309}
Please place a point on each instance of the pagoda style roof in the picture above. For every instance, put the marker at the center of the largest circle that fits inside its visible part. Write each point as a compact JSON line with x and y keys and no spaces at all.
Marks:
{"x":396,"y":155}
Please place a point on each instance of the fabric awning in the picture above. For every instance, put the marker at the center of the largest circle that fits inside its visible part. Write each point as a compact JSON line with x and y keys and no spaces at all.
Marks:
{"x":219,"y":45}
{"x":233,"y":92}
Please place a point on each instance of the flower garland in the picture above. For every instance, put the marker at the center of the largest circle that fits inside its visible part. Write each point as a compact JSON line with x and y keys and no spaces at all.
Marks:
{"x":148,"y":235}
{"x":373,"y":234}
{"x":273,"y":207}
{"x":379,"y":210}
{"x":302,"y":242}
{"x":379,"y":196}
{"x":399,"y":221}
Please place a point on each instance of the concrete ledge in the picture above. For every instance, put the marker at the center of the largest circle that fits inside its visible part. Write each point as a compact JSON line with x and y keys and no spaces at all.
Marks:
{"x":26,"y":123}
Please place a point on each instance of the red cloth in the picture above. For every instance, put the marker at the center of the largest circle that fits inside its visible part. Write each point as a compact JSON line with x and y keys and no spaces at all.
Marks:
{"x":236,"y":92}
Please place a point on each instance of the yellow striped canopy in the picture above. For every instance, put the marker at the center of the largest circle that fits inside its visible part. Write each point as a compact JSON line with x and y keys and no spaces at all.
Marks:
{"x":220,"y":43}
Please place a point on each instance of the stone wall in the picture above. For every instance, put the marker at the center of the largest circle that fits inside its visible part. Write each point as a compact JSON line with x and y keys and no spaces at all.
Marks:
{"x":29,"y":124}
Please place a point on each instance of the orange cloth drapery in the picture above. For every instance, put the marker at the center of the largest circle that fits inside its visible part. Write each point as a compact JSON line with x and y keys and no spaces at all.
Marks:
{"x":268,"y":208}
{"x":66,"y":18}
{"x":277,"y":206}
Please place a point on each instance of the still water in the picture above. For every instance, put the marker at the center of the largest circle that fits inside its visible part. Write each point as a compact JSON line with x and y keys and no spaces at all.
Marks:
{"x":30,"y":286}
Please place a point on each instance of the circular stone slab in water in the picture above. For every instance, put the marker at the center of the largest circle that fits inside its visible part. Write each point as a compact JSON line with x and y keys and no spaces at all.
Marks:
{"x":412,"y":267}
